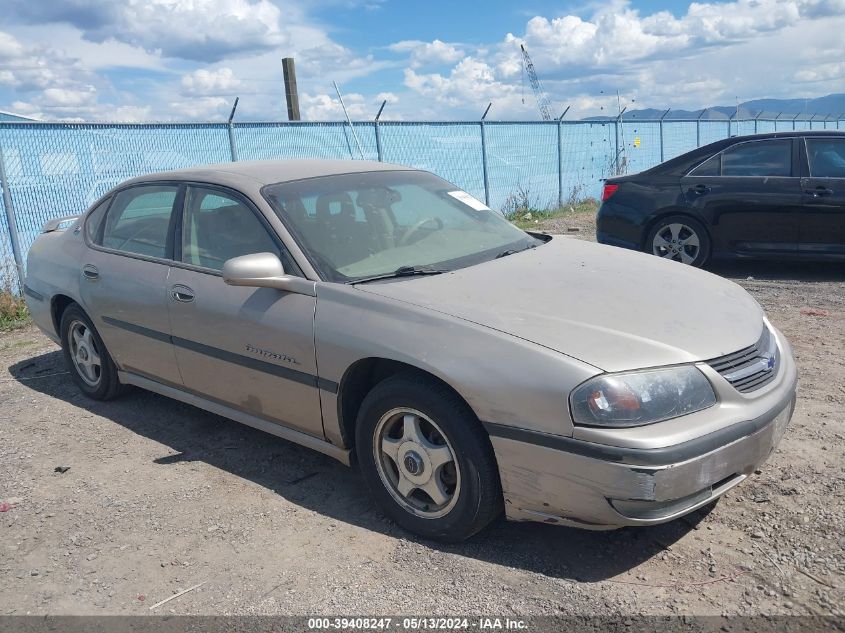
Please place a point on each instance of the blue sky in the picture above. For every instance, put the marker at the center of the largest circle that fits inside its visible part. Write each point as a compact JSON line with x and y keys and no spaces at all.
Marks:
{"x":188,"y":59}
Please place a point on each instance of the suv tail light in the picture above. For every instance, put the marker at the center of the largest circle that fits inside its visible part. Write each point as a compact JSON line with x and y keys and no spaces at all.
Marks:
{"x":608,"y":191}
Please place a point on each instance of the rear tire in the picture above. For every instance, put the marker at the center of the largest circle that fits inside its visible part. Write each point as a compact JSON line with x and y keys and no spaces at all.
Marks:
{"x":679,"y":238}
{"x":426,"y":459}
{"x":86,"y":356}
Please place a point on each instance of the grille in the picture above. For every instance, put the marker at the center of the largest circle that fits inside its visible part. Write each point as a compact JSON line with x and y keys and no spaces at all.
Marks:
{"x":752,"y":367}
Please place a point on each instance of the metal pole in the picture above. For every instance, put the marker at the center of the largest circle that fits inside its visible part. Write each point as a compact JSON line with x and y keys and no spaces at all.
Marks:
{"x":755,"y":120}
{"x":698,"y":128}
{"x":233,"y":149}
{"x":560,"y":161}
{"x":616,"y":145}
{"x":379,"y":151}
{"x":793,"y":120}
{"x":378,"y":132}
{"x":484,"y":160}
{"x":560,"y":118}
{"x":349,"y":121}
{"x":661,"y":134}
{"x":10,"y":221}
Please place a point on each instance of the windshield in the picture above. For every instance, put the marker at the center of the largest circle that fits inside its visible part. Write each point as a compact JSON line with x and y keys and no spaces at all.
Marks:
{"x":363,"y":225}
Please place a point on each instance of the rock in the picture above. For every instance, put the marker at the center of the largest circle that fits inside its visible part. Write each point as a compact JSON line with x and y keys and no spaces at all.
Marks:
{"x":758,"y":534}
{"x":91,"y":556}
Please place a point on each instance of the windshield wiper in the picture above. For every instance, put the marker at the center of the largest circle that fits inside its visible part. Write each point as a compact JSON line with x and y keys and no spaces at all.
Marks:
{"x":512,"y":251}
{"x":403,"y":271}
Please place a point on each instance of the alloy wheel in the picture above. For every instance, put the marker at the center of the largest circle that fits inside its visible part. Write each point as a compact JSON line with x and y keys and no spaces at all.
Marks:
{"x":677,"y":242}
{"x":84,"y":353}
{"x":416,"y":463}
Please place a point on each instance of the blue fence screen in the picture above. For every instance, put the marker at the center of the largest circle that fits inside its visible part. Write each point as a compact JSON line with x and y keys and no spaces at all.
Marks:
{"x":57,"y":169}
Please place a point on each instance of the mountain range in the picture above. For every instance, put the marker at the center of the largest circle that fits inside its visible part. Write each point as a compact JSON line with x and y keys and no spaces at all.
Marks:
{"x":832,"y":105}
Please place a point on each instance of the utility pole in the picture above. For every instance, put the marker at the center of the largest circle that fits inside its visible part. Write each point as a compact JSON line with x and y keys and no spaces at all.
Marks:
{"x":291,"y":94}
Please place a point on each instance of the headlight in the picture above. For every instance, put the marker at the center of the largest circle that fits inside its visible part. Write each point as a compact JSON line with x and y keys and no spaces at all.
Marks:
{"x":643,"y":397}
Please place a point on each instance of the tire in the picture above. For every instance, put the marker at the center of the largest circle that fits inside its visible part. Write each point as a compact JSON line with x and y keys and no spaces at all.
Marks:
{"x":440,"y":428}
{"x":691,"y":245}
{"x":81,"y":345}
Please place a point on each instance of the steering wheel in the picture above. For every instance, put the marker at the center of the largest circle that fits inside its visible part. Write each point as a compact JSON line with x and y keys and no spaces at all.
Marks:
{"x":407,"y":236}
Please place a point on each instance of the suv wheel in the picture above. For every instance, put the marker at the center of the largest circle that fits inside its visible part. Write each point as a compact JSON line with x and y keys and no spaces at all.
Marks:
{"x":426,"y":459}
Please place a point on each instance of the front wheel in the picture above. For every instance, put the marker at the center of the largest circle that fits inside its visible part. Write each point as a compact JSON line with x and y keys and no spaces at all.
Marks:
{"x":426,"y":459}
{"x":681,"y":239}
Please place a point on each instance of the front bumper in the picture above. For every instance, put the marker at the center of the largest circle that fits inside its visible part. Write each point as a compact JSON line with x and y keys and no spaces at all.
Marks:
{"x":596,"y":486}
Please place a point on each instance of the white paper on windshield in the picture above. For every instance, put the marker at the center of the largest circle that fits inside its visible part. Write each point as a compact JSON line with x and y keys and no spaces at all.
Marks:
{"x":468,"y":200}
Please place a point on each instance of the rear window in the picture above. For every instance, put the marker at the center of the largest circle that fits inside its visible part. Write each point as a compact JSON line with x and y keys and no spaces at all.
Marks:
{"x":139,"y":220}
{"x":758,"y":158}
{"x":826,"y":157}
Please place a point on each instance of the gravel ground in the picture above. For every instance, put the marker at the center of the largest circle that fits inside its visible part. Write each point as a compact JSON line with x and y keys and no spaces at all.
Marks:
{"x":158,"y":497}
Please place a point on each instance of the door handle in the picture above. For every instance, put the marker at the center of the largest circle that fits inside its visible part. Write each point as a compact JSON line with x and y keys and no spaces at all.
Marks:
{"x":818,"y":192}
{"x":181,"y":293}
{"x":700,"y":189}
{"x":90,"y":272}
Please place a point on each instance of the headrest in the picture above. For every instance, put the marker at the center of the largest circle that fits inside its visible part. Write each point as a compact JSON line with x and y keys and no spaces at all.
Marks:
{"x":381,"y":198}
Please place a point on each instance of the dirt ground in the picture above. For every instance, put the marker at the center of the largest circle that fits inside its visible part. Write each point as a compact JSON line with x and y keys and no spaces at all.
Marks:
{"x":159,"y":497}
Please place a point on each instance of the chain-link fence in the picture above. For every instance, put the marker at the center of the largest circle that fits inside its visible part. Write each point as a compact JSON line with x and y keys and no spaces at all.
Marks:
{"x":57,"y":169}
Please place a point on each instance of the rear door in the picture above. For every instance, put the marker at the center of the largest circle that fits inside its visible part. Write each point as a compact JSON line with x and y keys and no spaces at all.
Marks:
{"x":823,"y":188}
{"x":750,"y":194}
{"x":249,"y":348}
{"x":123,"y":279}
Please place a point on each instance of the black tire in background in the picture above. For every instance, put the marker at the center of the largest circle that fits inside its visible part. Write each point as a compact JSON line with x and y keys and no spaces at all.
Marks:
{"x":682,"y":228}
{"x":478,"y":498}
{"x":106,"y":385}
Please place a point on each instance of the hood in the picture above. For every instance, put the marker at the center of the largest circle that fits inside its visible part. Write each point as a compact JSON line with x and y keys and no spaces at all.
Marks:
{"x":612,"y":308}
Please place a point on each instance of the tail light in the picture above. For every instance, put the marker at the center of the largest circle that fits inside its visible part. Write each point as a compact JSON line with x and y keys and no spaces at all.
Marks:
{"x":608,"y":191}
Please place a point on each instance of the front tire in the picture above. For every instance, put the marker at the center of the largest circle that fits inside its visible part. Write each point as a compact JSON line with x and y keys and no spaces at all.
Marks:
{"x":86,"y":357}
{"x":426,"y":459}
{"x":679,"y":238}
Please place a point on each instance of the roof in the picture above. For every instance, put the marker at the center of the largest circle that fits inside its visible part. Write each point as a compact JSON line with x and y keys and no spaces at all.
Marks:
{"x":265,"y":172}
{"x":12,"y":117}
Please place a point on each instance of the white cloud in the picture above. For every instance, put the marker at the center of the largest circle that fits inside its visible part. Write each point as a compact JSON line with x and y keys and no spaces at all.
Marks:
{"x":215,"y":82}
{"x":325,"y":107}
{"x":428,"y":53}
{"x":202,"y":30}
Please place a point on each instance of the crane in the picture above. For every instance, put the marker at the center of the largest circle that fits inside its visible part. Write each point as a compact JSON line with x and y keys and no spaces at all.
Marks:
{"x":542,"y":100}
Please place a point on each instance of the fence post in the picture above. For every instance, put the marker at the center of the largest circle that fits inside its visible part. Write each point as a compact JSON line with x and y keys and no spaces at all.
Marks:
{"x":233,"y":149}
{"x":10,"y":221}
{"x":661,"y":134}
{"x":378,"y":142}
{"x":698,"y":127}
{"x":616,"y":145}
{"x":484,"y":163}
{"x":560,"y":162}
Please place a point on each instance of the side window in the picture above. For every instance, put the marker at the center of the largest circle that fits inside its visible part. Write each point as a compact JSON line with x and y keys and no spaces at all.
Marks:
{"x":711,"y":167}
{"x":94,"y":219}
{"x":826,"y":157}
{"x":139,"y":220}
{"x":218,"y":227}
{"x":758,"y":158}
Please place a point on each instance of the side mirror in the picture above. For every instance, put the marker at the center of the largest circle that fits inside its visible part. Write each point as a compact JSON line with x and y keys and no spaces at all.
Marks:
{"x":264,"y":270}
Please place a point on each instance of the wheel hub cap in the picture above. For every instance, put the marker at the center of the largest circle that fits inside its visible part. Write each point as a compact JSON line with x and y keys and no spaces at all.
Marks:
{"x":412,"y":463}
{"x":416,"y":463}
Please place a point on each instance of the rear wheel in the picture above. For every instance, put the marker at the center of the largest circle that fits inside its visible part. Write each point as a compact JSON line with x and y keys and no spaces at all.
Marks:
{"x":426,"y":459}
{"x":86,"y":357}
{"x":681,"y":239}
